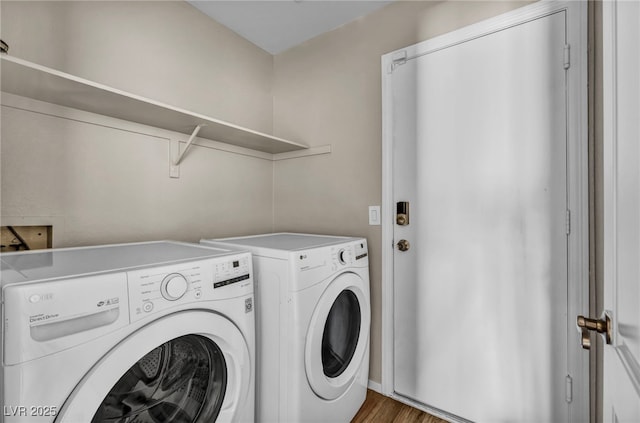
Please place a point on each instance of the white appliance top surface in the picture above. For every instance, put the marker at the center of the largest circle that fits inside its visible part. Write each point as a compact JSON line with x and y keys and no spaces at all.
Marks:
{"x":71,"y":262}
{"x":287,"y":241}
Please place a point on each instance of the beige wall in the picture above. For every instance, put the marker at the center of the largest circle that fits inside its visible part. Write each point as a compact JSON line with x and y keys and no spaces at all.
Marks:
{"x":163,"y":50}
{"x":98,"y":184}
{"x":328,"y":91}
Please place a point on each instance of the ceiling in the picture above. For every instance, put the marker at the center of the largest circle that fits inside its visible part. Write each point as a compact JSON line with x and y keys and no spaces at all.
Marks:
{"x":277,"y":25}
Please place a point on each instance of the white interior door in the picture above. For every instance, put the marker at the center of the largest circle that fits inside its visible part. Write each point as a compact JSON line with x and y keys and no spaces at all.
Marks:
{"x":622,"y":209}
{"x":479,"y":132}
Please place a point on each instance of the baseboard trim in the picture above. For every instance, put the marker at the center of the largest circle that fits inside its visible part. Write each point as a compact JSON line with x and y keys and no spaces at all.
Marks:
{"x":375,"y":386}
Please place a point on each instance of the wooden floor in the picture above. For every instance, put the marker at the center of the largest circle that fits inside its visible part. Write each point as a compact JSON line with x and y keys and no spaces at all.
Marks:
{"x":378,"y":408}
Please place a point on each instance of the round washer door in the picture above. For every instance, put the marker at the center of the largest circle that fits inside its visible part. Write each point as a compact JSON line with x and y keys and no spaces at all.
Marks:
{"x":189,"y":367}
{"x":338,"y":336}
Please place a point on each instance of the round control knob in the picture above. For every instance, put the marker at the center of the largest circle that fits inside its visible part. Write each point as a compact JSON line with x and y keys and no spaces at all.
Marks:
{"x":173,"y":286}
{"x":342,"y":257}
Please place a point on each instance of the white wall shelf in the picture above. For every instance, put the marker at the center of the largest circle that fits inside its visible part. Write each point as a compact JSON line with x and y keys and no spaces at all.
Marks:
{"x":30,"y":80}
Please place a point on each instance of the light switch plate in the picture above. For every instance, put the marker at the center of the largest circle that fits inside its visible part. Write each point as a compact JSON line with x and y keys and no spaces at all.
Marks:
{"x":374,"y":215}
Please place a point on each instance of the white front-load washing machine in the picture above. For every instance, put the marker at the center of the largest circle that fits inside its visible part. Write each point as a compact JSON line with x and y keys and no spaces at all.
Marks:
{"x":143,"y":332}
{"x":313,"y":318}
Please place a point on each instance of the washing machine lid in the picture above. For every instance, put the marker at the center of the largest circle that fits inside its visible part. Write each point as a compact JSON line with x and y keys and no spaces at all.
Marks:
{"x":286,"y":241}
{"x":31,"y":266}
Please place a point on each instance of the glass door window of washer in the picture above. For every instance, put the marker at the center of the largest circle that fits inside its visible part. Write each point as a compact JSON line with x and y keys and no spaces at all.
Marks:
{"x":181,"y":381}
{"x":341,"y":334}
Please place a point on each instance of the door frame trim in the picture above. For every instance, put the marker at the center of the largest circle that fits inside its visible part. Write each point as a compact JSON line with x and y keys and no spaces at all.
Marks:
{"x":577,"y":183}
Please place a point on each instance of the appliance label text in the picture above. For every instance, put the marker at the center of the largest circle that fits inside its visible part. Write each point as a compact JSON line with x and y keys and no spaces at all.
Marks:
{"x":42,"y":317}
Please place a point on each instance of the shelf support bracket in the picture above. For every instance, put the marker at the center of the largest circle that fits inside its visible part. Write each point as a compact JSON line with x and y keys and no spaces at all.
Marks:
{"x":186,"y":147}
{"x":174,"y":149}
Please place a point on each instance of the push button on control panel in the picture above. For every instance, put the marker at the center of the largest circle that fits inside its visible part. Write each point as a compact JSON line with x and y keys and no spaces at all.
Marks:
{"x":147,"y":307}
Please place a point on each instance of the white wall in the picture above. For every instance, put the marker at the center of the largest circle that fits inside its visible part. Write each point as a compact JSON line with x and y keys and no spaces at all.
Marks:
{"x":99,"y":184}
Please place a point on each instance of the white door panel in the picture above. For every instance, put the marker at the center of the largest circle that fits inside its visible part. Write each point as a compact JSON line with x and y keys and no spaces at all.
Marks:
{"x":480,"y":298}
{"x":622,"y":209}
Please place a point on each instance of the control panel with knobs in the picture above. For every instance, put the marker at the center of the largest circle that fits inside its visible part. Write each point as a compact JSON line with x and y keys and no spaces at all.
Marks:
{"x":156,"y":289}
{"x":344,"y":256}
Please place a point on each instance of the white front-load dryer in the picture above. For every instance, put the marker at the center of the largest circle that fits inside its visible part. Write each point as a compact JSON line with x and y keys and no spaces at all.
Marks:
{"x":144,"y":332}
{"x":313,"y":317}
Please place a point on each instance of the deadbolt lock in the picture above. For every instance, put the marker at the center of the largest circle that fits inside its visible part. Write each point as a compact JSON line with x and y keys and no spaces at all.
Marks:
{"x":602,"y":326}
{"x":403,"y":245}
{"x":402,"y":213}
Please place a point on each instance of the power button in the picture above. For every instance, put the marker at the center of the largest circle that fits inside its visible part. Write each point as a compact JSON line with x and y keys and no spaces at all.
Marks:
{"x":147,"y":306}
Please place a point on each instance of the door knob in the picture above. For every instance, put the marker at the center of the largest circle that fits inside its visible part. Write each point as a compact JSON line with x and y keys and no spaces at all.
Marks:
{"x":403,"y":245}
{"x":602,"y":326}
